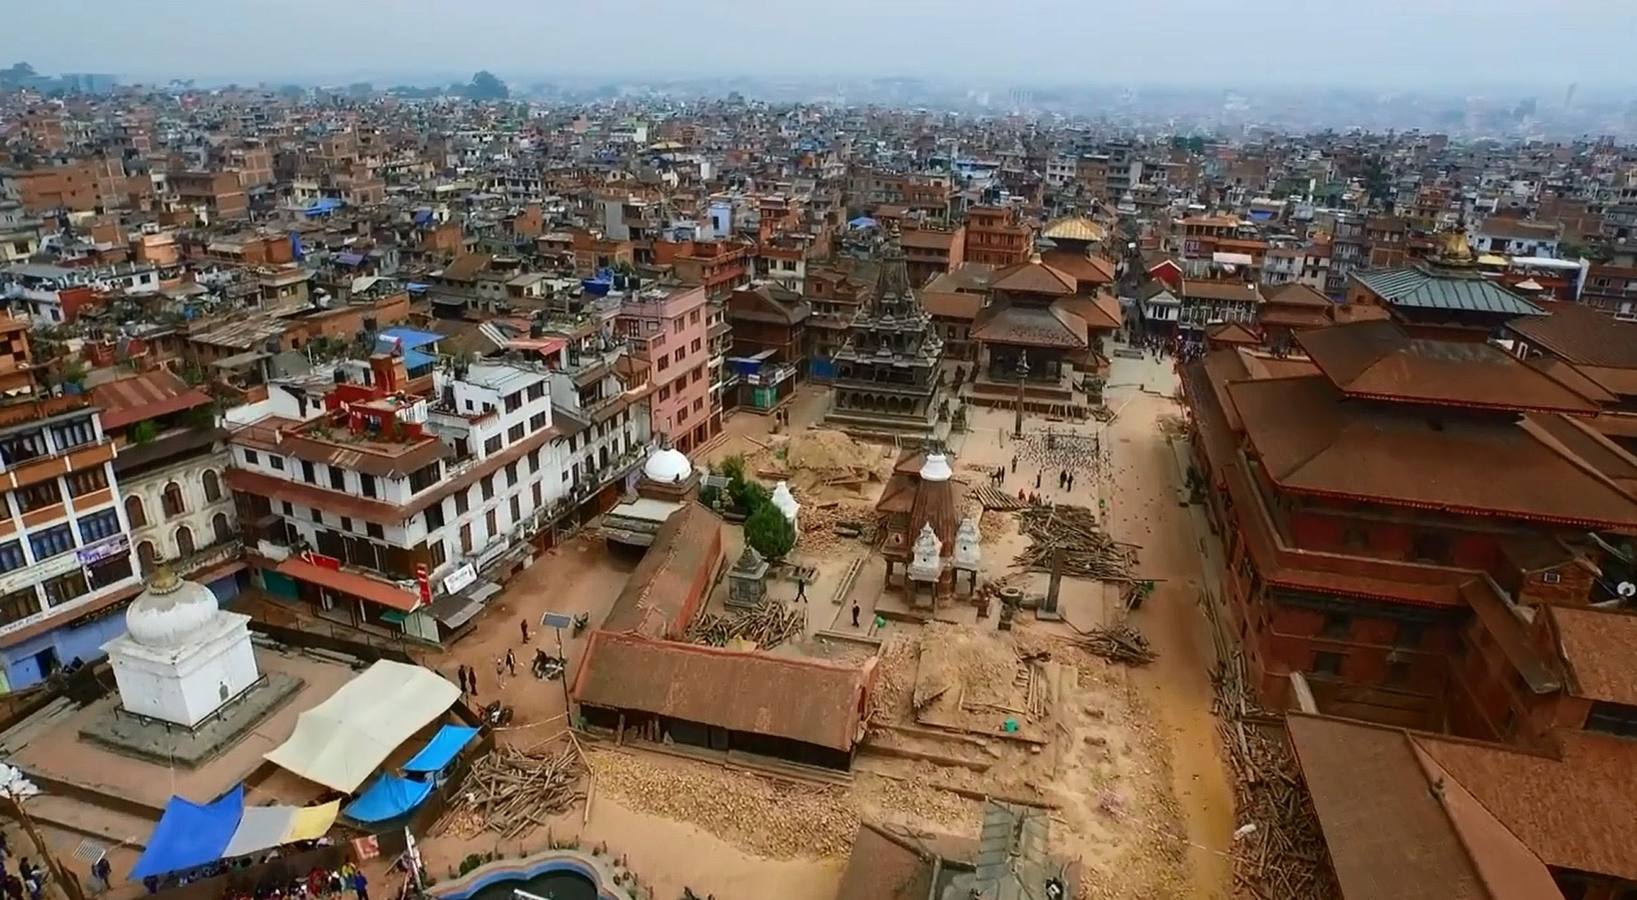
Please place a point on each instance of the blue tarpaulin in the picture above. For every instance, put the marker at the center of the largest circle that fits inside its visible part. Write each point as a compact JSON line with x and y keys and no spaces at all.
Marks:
{"x":388,"y":798}
{"x":323,"y":206}
{"x":444,"y":746}
{"x":415,"y":287}
{"x":423,"y":216}
{"x":862,"y":222}
{"x":190,"y":835}
{"x":412,"y":338}
{"x":349,"y":259}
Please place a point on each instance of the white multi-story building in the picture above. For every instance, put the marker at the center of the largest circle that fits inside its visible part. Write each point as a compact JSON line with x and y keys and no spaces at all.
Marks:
{"x":398,"y":513}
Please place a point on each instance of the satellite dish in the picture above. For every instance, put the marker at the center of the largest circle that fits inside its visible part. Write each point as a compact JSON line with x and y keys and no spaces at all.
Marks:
{"x":1626,"y":589}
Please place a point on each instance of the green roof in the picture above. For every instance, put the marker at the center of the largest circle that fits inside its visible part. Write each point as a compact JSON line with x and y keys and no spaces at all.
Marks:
{"x":1417,"y":287}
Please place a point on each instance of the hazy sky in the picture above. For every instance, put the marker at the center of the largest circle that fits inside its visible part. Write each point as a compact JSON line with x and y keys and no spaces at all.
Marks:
{"x":1459,"y":45}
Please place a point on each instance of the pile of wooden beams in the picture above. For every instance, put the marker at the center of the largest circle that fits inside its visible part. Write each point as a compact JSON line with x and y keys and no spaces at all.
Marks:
{"x":1088,"y":550}
{"x":990,"y":497}
{"x":1120,"y":642}
{"x":1283,"y":856}
{"x":510,"y":791}
{"x":768,"y":623}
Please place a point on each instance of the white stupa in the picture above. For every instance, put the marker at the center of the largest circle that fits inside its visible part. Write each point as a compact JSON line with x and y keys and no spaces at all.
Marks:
{"x":181,"y":656}
{"x":667,"y":465}
{"x":785,"y":502}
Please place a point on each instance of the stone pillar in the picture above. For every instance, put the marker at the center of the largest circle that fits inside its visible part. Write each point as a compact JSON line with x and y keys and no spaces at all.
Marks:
{"x":1048,"y":606}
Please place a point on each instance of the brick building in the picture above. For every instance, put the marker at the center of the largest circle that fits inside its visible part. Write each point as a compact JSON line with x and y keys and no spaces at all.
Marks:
{"x":1397,"y":513}
{"x":667,"y":330}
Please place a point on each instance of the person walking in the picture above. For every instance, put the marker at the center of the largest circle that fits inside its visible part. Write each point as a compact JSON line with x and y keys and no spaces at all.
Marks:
{"x":1037,"y":479}
{"x":360,"y":885}
{"x":855,"y":615}
{"x":511,"y":662}
{"x":525,"y":624}
{"x":801,"y":589}
{"x":1071,"y":481}
{"x":471,"y":676}
{"x":1014,"y":463}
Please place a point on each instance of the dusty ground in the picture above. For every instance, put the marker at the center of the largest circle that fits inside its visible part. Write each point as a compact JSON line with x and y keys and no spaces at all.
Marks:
{"x":1129,"y":756}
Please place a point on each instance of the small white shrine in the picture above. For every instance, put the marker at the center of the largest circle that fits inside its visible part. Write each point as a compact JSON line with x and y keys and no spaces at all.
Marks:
{"x":668,"y":465}
{"x":182,"y":656}
{"x":785,"y":502}
{"x":968,"y":552}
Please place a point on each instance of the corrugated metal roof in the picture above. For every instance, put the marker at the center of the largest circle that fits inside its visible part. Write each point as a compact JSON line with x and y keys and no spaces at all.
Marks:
{"x":1420,"y":289}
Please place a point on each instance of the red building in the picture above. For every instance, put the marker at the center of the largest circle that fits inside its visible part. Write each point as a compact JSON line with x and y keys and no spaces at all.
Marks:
{"x":1397,"y":513}
{"x":995,"y":236}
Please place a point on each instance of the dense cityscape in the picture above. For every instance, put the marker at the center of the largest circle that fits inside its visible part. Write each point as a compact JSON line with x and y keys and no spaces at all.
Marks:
{"x":876,"y":489}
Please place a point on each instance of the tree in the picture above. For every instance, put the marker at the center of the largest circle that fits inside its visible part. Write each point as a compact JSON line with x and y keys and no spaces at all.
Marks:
{"x":485,"y":86}
{"x":769,"y":532}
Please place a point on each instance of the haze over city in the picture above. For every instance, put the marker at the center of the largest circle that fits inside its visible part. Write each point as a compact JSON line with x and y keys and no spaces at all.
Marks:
{"x":1427,"y":45}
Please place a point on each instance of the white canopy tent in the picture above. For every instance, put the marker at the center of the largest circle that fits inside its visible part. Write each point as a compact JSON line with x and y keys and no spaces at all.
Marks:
{"x":342,"y":741}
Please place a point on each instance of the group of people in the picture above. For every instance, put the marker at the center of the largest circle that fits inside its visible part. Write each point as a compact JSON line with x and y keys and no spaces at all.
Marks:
{"x":320,"y":882}
{"x":29,"y":878}
{"x":504,"y":665}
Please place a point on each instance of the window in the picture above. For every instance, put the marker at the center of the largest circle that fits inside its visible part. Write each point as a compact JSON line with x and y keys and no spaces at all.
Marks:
{"x":276,"y":461}
{"x":679,"y":385}
{"x":375,"y":531}
{"x":517,"y":509}
{"x":514,"y":401}
{"x":424,"y":477}
{"x":515,"y":433}
{"x":435,"y":554}
{"x":220,"y":527}
{"x":1336,"y":625}
{"x":466,"y":538}
{"x":698,"y":373}
{"x":23,"y":447}
{"x":288,"y":509}
{"x":534,"y":460}
{"x":693,"y":317}
{"x":489,"y":524}
{"x":38,"y":496}
{"x":315,"y":515}
{"x":73,"y":434}
{"x":537,"y":422}
{"x":51,"y":541}
{"x":664,"y":363}
{"x":696,"y":345}
{"x":676,"y":327}
{"x":19,"y":605}
{"x":99,"y":525}
{"x":680,"y":352}
{"x":460,"y":503}
{"x":250,"y":457}
{"x":11,"y":556}
{"x":698,"y":404}
{"x":491,"y":446}
{"x":64,"y":588}
{"x":488,"y":487}
{"x":307,"y":472}
{"x":110,"y":571}
{"x":87,"y":480}
{"x":338,"y":479}
{"x":434,"y":516}
{"x":664,"y":393}
{"x":146,"y":556}
{"x":682,"y":415}
{"x":346,"y":523}
{"x":537,"y":390}
{"x":537,"y":502}
{"x":511,"y":474}
{"x":1326,"y":663}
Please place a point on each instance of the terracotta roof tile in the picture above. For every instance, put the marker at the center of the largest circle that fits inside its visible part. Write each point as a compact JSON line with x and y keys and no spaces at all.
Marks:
{"x":1597,"y":645}
{"x":146,"y":396}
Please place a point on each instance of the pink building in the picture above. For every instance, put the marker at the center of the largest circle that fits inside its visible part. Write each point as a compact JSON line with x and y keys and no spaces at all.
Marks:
{"x":666,"y":327}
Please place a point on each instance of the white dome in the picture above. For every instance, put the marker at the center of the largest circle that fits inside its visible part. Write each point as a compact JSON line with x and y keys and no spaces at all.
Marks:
{"x":667,"y":465}
{"x":936,"y":468}
{"x":169,"y":611}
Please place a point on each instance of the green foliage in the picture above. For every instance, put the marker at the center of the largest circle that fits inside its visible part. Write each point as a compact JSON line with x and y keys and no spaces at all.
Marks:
{"x":733,"y":468}
{"x":144,"y":431}
{"x":73,"y":372}
{"x":770,"y":532}
{"x":748,"y":496}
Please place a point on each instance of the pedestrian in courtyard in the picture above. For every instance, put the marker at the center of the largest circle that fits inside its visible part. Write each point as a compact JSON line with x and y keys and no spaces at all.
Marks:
{"x":801,"y":589}
{"x":1037,"y":478}
{"x":525,"y":624}
{"x":511,"y":662}
{"x":1071,"y":481}
{"x":1014,"y":463}
{"x":360,"y":885}
{"x":855,"y":615}
{"x":1062,"y":480}
{"x":471,"y":676}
